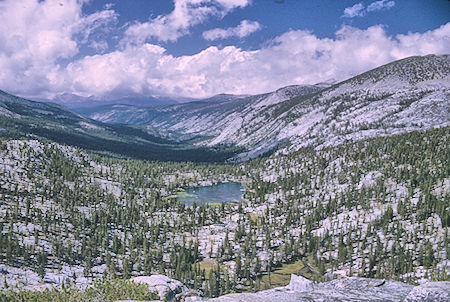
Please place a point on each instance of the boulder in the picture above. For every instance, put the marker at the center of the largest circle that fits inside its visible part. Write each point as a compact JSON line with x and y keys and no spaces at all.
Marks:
{"x":430,"y":291}
{"x":300,"y":289}
{"x":168,"y":289}
{"x":300,"y":284}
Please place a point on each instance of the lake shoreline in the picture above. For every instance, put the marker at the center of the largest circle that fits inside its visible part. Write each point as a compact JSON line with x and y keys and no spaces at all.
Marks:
{"x":215,"y":194}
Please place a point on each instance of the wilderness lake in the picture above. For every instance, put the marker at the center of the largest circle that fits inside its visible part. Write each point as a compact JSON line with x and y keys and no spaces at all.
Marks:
{"x":218,"y":193}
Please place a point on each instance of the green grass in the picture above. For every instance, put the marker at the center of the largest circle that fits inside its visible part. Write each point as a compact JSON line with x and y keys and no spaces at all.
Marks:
{"x":282,"y":275}
{"x":183,"y":194}
{"x":207,"y":265}
{"x":214,"y":204}
{"x":105,"y":291}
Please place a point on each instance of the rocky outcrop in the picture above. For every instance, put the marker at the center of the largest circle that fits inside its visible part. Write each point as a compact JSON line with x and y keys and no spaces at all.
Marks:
{"x":300,"y":284}
{"x":430,"y":291}
{"x":300,"y":289}
{"x":168,"y":289}
{"x":343,"y":290}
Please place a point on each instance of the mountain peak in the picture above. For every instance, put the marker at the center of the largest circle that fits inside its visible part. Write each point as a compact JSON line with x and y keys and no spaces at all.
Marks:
{"x":411,"y":70}
{"x":392,"y":98}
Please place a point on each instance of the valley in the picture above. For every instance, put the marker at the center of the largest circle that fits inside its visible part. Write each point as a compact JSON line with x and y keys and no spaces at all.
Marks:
{"x":25,"y":118}
{"x":70,"y":216}
{"x":405,"y":95}
{"x":348,"y":180}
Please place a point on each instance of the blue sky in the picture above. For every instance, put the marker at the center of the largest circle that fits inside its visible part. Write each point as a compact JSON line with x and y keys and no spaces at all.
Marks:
{"x":198,"y":48}
{"x":322,"y":17}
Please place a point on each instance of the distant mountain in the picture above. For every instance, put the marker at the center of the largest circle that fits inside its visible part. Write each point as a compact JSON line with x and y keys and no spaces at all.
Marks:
{"x":77,"y":102}
{"x":23,"y":118}
{"x":404,"y":95}
{"x":204,"y":119}
{"x":134,"y":112}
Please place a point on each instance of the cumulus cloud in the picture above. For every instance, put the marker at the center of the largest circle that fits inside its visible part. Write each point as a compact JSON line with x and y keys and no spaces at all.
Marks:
{"x":244,"y":29}
{"x":380,"y":5}
{"x":232,"y":4}
{"x":36,"y":35}
{"x":99,"y":46}
{"x":90,"y":23}
{"x":40,"y":40}
{"x":354,"y":11}
{"x":186,"y":14}
{"x":359,"y":10}
{"x":295,"y":57}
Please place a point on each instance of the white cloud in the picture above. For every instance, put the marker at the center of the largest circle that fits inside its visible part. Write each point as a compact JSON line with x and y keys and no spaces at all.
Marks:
{"x":244,"y":29}
{"x":380,"y":5}
{"x":232,"y":4}
{"x":99,"y":46}
{"x":90,"y":23}
{"x":296,"y":57}
{"x":38,"y":38}
{"x":359,"y":10}
{"x":36,"y":35}
{"x":354,"y":11}
{"x":186,"y":14}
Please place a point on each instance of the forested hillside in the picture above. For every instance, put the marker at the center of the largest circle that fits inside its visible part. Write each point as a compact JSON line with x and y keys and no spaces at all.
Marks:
{"x":21,"y":118}
{"x":374,"y":208}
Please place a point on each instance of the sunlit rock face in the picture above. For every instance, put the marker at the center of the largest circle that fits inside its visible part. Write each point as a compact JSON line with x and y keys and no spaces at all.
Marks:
{"x":166,"y":287}
{"x":402,"y":96}
{"x":344,"y":290}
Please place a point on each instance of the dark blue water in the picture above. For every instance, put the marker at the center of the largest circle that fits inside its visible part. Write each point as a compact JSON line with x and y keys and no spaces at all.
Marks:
{"x":220,"y":193}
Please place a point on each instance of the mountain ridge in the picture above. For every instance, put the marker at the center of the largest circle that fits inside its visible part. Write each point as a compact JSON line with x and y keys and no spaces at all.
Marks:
{"x":54,"y":122}
{"x":404,"y":95}
{"x":401,"y":96}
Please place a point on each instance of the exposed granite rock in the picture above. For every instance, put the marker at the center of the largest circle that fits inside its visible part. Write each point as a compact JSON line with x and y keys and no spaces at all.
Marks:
{"x":301,"y":289}
{"x":343,"y":290}
{"x":167,"y":288}
{"x":137,"y":301}
{"x":430,"y":291}
{"x":300,"y":284}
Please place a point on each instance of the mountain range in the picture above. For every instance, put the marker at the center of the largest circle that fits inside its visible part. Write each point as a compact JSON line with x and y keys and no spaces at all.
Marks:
{"x":402,"y":96}
{"x":355,"y":183}
{"x":24,"y":118}
{"x":74,"y":101}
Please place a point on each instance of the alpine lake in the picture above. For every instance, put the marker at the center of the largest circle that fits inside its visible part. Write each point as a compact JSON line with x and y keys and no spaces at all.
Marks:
{"x":226,"y":192}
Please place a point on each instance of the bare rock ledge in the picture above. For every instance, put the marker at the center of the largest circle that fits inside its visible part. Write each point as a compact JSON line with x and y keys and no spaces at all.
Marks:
{"x":300,"y":289}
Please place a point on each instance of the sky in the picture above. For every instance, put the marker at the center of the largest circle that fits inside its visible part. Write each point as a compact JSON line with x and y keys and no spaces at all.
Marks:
{"x":198,"y":48}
